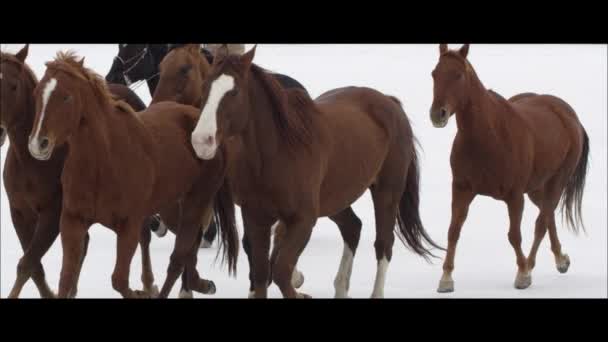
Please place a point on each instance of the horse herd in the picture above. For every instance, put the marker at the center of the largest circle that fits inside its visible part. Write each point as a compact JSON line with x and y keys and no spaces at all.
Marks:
{"x":222,"y":131}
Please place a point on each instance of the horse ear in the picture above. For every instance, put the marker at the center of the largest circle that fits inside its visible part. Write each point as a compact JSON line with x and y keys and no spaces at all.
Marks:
{"x":464,"y":50}
{"x":81,"y":62}
{"x":247,"y":58}
{"x":221,"y":53}
{"x":22,"y":55}
{"x":443,"y":48}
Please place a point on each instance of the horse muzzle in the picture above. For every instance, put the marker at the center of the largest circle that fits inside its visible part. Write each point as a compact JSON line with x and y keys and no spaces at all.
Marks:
{"x":440,"y":117}
{"x":205,"y":146}
{"x":41,"y":148}
{"x":2,"y":135}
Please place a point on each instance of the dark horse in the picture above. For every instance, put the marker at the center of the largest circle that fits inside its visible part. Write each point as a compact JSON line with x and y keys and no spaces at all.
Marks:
{"x":34,"y":187}
{"x":530,"y":144}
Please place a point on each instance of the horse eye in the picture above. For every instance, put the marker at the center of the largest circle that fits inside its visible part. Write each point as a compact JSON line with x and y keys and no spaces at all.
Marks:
{"x":14,"y":87}
{"x":67,"y":98}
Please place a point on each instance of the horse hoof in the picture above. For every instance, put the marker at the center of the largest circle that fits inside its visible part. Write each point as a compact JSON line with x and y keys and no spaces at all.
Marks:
{"x":137,"y":294}
{"x":251,"y":295}
{"x":297,"y":279}
{"x":523,"y":281}
{"x":153,"y":291}
{"x":342,"y":296}
{"x":183,"y":294}
{"x":212,"y":289}
{"x":446,"y":286}
{"x":300,"y":295}
{"x":562,"y":267}
{"x":72,"y":294}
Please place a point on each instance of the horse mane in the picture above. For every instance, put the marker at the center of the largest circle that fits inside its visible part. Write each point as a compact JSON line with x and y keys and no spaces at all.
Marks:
{"x":67,"y":62}
{"x":292,"y":108}
{"x":7,"y":57}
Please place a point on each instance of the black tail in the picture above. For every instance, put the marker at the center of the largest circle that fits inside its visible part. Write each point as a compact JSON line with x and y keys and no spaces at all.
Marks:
{"x":410,"y":227}
{"x":572,"y":197}
{"x":226,"y":223}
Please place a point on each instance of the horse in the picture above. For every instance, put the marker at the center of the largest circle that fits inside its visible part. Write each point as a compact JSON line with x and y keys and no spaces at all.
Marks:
{"x":33,"y":188}
{"x":293,"y":159}
{"x":530,"y":144}
{"x":182,"y":72}
{"x":137,"y":62}
{"x":121,"y":167}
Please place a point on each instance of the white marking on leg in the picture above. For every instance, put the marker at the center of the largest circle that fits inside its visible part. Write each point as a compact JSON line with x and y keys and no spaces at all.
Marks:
{"x":0,"y":75}
{"x":342,"y":281}
{"x":183,"y":294}
{"x":380,"y":278}
{"x":206,"y":128}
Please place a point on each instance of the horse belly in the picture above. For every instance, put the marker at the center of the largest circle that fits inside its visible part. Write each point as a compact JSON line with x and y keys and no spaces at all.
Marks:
{"x":356,"y":155}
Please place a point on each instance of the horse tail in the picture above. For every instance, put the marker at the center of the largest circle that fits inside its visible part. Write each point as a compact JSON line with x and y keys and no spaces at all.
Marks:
{"x":226,"y":224}
{"x":572,"y":197}
{"x":411,"y":231}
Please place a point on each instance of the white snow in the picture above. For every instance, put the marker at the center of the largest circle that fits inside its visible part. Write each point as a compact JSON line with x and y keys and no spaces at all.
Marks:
{"x":485,"y":262}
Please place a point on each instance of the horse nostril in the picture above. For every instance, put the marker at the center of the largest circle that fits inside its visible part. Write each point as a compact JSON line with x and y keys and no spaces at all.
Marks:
{"x":210,"y":140}
{"x":443,"y":113}
{"x":44,"y":143}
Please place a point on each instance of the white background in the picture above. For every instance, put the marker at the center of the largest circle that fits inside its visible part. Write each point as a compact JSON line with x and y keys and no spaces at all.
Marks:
{"x":485,"y":261}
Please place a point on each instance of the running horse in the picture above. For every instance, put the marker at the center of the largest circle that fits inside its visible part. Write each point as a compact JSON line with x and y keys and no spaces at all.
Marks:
{"x":34,"y":187}
{"x":121,"y":167}
{"x":530,"y":144}
{"x":293,"y":160}
{"x":141,"y":62}
{"x":182,"y":72}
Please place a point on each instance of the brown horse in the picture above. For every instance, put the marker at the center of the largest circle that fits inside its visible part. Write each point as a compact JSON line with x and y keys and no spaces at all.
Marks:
{"x":182,"y":72}
{"x":122,"y":167}
{"x":33,"y":187}
{"x":531,"y":144}
{"x":294,"y":160}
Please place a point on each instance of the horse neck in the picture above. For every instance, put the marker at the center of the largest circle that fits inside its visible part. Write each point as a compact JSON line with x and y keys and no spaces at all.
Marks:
{"x":20,"y":132}
{"x":479,"y":115}
{"x":261,"y":139}
{"x":154,"y":76}
{"x":94,"y":133}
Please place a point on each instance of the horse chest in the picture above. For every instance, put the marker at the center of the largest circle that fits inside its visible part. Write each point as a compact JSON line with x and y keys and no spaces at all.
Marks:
{"x":483,"y":171}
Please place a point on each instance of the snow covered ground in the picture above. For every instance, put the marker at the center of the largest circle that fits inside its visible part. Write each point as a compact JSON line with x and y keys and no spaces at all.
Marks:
{"x":485,"y":261}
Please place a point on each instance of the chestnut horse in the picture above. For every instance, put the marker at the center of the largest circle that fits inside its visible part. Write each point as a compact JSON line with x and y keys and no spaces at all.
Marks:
{"x":530,"y":144}
{"x":121,"y":167}
{"x":294,"y":160}
{"x":182,"y":73}
{"x":33,"y":187}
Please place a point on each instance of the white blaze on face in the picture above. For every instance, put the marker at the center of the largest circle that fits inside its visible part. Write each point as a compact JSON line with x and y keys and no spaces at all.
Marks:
{"x":46,"y":95}
{"x":204,"y":140}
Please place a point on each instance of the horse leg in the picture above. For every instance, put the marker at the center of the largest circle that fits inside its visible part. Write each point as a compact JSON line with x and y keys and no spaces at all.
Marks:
{"x":73,"y":231}
{"x":257,"y":236}
{"x":385,"y":206}
{"x":540,"y":228}
{"x":350,"y":229}
{"x":128,"y":236}
{"x":74,"y":290}
{"x":562,"y":261}
{"x":247,"y":249}
{"x":461,"y":200}
{"x":209,"y":235}
{"x":194,"y":281}
{"x":297,"y":234}
{"x":516,"y":207}
{"x":24,"y":227}
{"x":184,"y":242}
{"x":147,"y":275}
